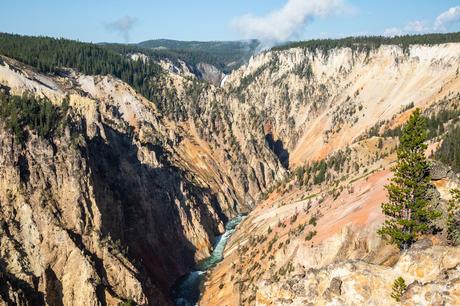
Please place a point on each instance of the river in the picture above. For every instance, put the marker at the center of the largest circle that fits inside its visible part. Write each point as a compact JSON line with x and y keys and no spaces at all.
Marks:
{"x":187,"y":290}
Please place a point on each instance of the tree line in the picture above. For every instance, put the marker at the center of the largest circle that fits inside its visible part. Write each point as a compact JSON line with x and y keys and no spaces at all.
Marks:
{"x":50,"y":55}
{"x":372,"y":42}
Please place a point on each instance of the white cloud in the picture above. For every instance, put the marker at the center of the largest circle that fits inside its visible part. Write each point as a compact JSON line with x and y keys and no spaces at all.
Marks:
{"x":288,"y":21}
{"x":447,"y":18}
{"x":413,"y":27}
{"x":416,"y":26}
{"x":442,"y":23}
{"x":123,"y":26}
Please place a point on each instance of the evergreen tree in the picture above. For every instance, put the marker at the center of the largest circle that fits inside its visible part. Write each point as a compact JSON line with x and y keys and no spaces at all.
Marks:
{"x":449,"y":151}
{"x":300,"y":172}
{"x":37,"y":114}
{"x":408,"y":212}
{"x":453,"y":218}
{"x":399,"y":287}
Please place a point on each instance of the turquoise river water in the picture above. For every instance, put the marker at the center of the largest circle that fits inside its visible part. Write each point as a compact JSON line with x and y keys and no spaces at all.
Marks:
{"x":187,"y":290}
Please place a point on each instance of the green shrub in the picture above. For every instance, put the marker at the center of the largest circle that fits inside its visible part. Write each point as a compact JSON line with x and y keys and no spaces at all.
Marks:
{"x":399,"y":287}
{"x":313,"y":221}
{"x":310,"y":235}
{"x":453,"y":218}
{"x":127,"y":303}
{"x":294,"y":217}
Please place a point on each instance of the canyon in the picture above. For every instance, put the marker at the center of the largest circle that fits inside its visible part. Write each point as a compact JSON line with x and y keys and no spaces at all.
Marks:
{"x":130,"y":193}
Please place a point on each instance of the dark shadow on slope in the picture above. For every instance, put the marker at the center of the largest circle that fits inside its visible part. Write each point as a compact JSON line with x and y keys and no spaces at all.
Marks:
{"x":54,"y":295}
{"x":24,"y":172}
{"x":277,"y":147}
{"x":140,"y":207}
{"x":25,"y":293}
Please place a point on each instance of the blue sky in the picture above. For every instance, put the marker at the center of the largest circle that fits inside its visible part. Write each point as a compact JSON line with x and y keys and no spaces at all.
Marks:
{"x":138,"y":20}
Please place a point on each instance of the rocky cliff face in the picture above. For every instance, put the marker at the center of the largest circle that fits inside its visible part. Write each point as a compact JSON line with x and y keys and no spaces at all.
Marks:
{"x":329,"y":109}
{"x":131,"y":192}
{"x":281,"y":252}
{"x":432,"y":272}
{"x":315,"y":102}
{"x":127,"y":198}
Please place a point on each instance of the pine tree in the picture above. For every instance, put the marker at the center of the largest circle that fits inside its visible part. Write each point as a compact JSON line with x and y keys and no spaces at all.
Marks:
{"x":453,"y":218}
{"x":399,"y":287}
{"x":408,"y":212}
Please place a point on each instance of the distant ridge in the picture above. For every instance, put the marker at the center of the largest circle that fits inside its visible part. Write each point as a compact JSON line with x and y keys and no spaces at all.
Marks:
{"x":231,"y":54}
{"x":372,"y":42}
